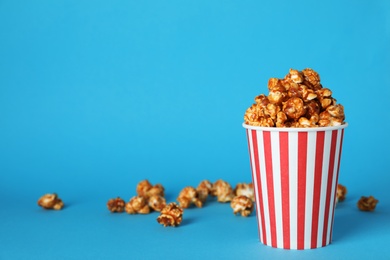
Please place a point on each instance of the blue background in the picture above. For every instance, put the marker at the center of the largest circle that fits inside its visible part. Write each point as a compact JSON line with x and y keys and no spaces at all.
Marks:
{"x":97,"y":96}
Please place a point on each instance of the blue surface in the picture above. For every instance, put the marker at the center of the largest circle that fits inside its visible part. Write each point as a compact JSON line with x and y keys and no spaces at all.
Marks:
{"x":95,"y":97}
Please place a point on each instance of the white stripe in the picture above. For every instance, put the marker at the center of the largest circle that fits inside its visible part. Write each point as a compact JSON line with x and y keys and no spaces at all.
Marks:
{"x":255,"y":184}
{"x":334,"y":185}
{"x":293,"y":187}
{"x":324,"y":182}
{"x":311,"y":144}
{"x":263,"y":177}
{"x":275,"y":150}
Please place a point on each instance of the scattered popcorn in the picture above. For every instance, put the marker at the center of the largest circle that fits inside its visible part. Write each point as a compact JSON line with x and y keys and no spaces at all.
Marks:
{"x":242,"y":204}
{"x":171,"y":215}
{"x":223,"y":191}
{"x":146,"y":189}
{"x":297,"y":100}
{"x":137,"y":204}
{"x":116,"y":205}
{"x":187,"y":196}
{"x":246,"y":190}
{"x":50,"y":201}
{"x":204,"y":189}
{"x":341,"y":192}
{"x":157,"y":202}
{"x":367,"y":203}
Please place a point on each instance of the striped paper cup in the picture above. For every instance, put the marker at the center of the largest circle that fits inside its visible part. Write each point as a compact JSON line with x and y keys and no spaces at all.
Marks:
{"x":295,"y":175}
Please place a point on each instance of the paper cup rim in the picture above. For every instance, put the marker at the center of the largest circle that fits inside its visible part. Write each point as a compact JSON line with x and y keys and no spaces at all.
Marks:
{"x":295,"y":129}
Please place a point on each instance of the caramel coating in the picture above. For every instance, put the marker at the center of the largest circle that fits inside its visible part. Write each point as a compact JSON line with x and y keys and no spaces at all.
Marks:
{"x":137,"y":204}
{"x":187,"y":196}
{"x":245,"y":189}
{"x":297,"y":100}
{"x":341,"y":192}
{"x":223,"y":191}
{"x":242,"y":204}
{"x":367,"y":203}
{"x":171,"y":215}
{"x":50,"y":201}
{"x":116,"y":205}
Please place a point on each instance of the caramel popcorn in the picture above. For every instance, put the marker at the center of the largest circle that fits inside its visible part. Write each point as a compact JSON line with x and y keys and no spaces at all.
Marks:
{"x":156,"y":202}
{"x":143,"y":187}
{"x":137,"y":204}
{"x":204,"y":189}
{"x":341,"y":192}
{"x":187,"y":196}
{"x":50,"y":201}
{"x":245,"y":189}
{"x":116,"y":205}
{"x":223,"y":191}
{"x":146,"y":189}
{"x":367,"y":203}
{"x":297,"y":100}
{"x":171,"y":215}
{"x":242,"y":204}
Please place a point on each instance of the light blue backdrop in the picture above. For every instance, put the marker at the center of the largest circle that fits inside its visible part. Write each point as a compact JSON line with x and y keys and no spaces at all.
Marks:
{"x":96,"y":96}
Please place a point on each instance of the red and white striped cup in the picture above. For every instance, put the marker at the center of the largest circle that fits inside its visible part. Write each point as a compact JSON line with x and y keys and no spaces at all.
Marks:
{"x":295,"y":175}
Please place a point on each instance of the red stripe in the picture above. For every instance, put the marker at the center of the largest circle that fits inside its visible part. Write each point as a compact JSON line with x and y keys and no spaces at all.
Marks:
{"x":329,"y":185}
{"x":302,"y":160}
{"x":259,"y":200}
{"x":337,"y":181}
{"x":270,"y":185}
{"x":284,"y":172}
{"x":317,"y":186}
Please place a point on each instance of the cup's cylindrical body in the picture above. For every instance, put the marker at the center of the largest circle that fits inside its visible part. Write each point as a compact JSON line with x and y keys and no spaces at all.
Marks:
{"x":295,"y":176}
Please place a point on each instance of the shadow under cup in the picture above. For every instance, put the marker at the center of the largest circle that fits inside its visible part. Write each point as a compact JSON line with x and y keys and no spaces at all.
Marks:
{"x":295,"y":176}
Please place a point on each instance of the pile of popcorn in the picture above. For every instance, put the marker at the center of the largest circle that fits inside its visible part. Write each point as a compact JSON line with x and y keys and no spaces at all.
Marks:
{"x":297,"y":100}
{"x":151,"y":198}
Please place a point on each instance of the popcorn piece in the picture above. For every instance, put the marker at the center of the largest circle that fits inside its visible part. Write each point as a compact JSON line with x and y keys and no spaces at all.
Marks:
{"x":271,"y":110}
{"x":294,"y":108}
{"x":143,"y":187}
{"x":242,"y":204}
{"x":50,"y":201}
{"x":223,"y":191}
{"x":296,"y":76}
{"x":171,"y":215}
{"x":341,"y":192}
{"x":157,"y":189}
{"x":246,"y":190}
{"x":262,"y":100}
{"x":367,"y":203}
{"x":277,"y":92}
{"x":116,"y":205}
{"x":312,"y":77}
{"x":157,"y":202}
{"x":146,"y":189}
{"x":281,"y":118}
{"x":187,"y":196}
{"x":137,"y":204}
{"x":306,"y":93}
{"x":204,"y":189}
